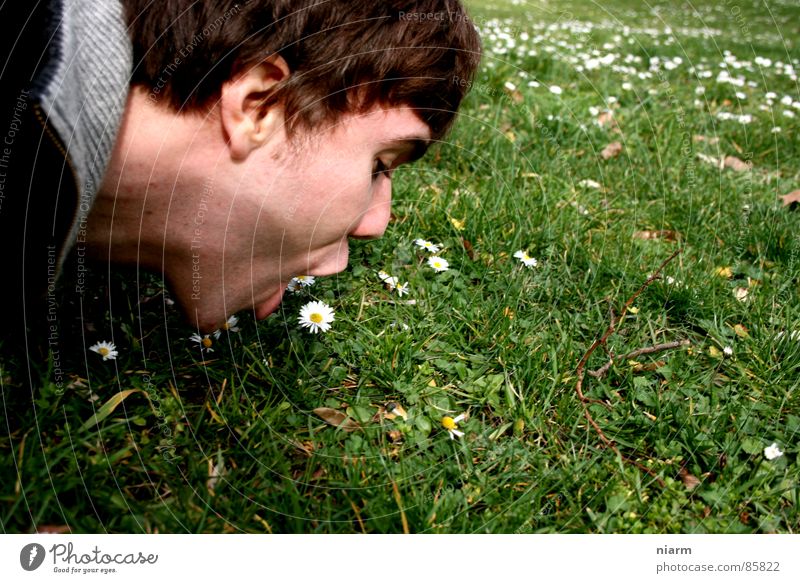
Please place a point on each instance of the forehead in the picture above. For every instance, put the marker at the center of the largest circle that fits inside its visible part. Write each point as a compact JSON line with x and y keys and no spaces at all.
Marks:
{"x":399,"y":127}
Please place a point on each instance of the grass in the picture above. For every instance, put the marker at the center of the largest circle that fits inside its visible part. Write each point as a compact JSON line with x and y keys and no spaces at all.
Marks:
{"x":229,"y":441}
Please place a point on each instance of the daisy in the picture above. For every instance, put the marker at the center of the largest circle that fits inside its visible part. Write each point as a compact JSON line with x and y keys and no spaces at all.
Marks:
{"x":772,"y":452}
{"x":727,"y":351}
{"x":229,"y":326}
{"x":204,"y":341}
{"x":401,"y":289}
{"x":451,"y":424}
{"x":526,"y":259}
{"x":438,"y":263}
{"x":316,"y":316}
{"x":556,"y":90}
{"x":299,"y":282}
{"x":389,"y":281}
{"x":427,"y":245}
{"x":105,"y":349}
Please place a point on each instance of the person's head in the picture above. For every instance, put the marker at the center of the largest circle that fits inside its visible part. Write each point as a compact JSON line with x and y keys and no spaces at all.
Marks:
{"x":278,"y":124}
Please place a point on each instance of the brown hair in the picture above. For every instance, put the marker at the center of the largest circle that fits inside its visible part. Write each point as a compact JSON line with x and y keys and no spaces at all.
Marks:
{"x":344,"y":55}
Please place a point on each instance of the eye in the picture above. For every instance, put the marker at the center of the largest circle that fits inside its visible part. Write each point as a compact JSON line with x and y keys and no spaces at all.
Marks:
{"x":378,"y":168}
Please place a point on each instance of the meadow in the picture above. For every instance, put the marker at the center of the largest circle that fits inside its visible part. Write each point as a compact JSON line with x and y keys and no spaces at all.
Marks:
{"x":619,"y":172}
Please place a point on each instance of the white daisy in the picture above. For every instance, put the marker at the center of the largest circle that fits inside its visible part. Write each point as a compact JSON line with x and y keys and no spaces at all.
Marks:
{"x":299,"y":282}
{"x":204,"y":341}
{"x":105,"y":349}
{"x":451,"y":424}
{"x":229,"y":325}
{"x":438,"y":263}
{"x":526,"y":259}
{"x":316,"y":316}
{"x":401,"y":289}
{"x":772,"y":452}
{"x":727,"y":351}
{"x":427,"y":245}
{"x":556,"y":90}
{"x":389,"y":281}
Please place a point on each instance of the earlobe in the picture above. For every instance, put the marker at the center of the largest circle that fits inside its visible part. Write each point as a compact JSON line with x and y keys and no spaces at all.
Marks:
{"x":247,"y":124}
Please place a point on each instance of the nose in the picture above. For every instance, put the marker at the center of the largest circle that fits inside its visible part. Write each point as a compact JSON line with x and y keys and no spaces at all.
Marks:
{"x":375,"y":220}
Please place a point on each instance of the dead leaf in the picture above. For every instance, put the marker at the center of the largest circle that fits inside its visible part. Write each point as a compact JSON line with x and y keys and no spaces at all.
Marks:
{"x":468,"y":248}
{"x":666,"y":235}
{"x":395,"y":435}
{"x":736,"y":164}
{"x":688,"y":479}
{"x":714,"y":161}
{"x":725,"y":272}
{"x":649,"y":367}
{"x":611,"y":151}
{"x":792,"y":197}
{"x":705,"y":139}
{"x":336,"y":418}
{"x":606,"y":118}
{"x":741,"y":331}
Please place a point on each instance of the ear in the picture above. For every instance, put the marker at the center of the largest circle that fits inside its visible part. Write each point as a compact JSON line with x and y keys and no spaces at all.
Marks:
{"x":247,"y":125}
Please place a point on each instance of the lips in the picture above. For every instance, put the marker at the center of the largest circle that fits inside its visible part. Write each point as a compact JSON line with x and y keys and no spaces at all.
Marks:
{"x":270,"y":305}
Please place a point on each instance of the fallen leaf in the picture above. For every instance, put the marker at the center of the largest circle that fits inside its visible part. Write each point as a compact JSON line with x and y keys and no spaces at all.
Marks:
{"x":725,"y":272}
{"x":336,"y":418}
{"x":714,"y":352}
{"x":740,"y":293}
{"x":611,"y":151}
{"x":468,"y":248}
{"x":688,"y":479}
{"x":666,"y":235}
{"x":741,"y":331}
{"x":792,"y":197}
{"x":710,"y":141}
{"x":649,"y":367}
{"x":714,"y":161}
{"x":606,"y":118}
{"x":395,"y":435}
{"x":736,"y":164}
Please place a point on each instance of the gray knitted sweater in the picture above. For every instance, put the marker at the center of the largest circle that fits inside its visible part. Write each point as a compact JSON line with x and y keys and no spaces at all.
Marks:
{"x":82,"y":92}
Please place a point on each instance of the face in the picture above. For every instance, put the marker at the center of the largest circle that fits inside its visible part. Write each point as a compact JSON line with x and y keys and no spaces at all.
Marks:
{"x":294,"y":207}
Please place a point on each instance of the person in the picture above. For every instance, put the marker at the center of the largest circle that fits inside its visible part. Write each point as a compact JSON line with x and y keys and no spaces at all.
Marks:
{"x":228,"y":146}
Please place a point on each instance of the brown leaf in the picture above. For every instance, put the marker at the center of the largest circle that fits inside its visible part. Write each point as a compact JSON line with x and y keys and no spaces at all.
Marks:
{"x":336,"y":418}
{"x":710,"y":141}
{"x":666,"y":235}
{"x":611,"y":151}
{"x":792,"y":197}
{"x":606,"y":118}
{"x":688,"y":479}
{"x":649,"y":367}
{"x":736,"y":164}
{"x":468,"y":248}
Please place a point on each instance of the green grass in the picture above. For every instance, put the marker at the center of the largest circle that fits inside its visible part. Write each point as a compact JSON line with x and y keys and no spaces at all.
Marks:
{"x":488,"y":337}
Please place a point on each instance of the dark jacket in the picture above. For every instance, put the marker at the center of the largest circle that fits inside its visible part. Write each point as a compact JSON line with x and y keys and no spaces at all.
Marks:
{"x":64,"y":71}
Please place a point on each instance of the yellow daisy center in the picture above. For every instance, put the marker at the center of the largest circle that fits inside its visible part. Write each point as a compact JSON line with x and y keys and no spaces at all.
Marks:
{"x":316,"y":317}
{"x":448,"y":423}
{"x":437,"y":264}
{"x":226,"y":326}
{"x":103,"y":351}
{"x":206,"y":342}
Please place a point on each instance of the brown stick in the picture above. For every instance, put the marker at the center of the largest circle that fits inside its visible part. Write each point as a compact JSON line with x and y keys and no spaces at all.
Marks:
{"x":600,"y":372}
{"x":581,"y":372}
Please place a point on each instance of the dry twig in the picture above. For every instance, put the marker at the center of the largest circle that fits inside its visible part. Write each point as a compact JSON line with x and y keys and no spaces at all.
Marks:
{"x":581,"y":370}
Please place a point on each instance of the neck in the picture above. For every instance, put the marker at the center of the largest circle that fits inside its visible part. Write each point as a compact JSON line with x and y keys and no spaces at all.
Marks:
{"x":142,"y":199}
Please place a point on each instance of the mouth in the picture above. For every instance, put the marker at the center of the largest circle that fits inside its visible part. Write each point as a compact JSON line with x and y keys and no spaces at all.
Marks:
{"x":271,"y":304}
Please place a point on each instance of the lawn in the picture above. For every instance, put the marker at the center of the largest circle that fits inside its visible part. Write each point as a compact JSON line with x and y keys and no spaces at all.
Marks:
{"x":599,"y":139}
